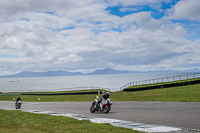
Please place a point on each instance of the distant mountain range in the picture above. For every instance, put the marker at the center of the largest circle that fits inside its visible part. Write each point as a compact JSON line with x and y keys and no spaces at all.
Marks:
{"x":66,"y":73}
{"x":108,"y":71}
{"x":63,"y":73}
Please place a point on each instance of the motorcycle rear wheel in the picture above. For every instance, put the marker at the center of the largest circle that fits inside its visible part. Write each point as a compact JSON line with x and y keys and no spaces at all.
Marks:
{"x":16,"y":106}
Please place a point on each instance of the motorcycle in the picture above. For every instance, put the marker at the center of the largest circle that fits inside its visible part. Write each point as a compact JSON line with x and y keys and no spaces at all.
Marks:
{"x":104,"y":106}
{"x":18,"y":104}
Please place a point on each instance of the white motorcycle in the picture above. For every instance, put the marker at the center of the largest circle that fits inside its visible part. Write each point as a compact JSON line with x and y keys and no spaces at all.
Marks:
{"x":104,"y":106}
{"x":18,"y":104}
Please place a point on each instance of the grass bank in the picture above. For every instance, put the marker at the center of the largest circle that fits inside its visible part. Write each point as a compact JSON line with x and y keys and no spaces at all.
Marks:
{"x":24,"y":122}
{"x":188,"y":93}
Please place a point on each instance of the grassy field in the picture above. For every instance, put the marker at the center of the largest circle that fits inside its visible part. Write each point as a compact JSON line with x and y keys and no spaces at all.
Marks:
{"x":188,"y":93}
{"x":23,"y":122}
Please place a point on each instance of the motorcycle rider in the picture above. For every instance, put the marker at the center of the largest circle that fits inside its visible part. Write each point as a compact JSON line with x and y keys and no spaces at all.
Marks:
{"x":18,"y":99}
{"x":105,"y":96}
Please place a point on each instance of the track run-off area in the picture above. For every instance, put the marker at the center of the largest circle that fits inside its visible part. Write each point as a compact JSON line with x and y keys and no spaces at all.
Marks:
{"x":183,"y":115}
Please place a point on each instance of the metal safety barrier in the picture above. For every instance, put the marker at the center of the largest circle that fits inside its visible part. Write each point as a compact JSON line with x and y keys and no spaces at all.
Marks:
{"x":161,"y":80}
{"x":10,"y":94}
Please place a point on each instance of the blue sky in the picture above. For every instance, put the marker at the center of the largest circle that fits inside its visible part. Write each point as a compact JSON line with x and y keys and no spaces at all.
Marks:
{"x":136,"y":35}
{"x":192,"y":27}
{"x":9,"y":56}
{"x":115,"y":10}
{"x":158,"y":9}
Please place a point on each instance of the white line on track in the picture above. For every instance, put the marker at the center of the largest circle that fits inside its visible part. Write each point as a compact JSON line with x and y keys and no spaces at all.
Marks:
{"x":114,"y":122}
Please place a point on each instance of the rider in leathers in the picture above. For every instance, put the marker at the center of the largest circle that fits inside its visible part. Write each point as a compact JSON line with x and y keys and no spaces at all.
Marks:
{"x":18,"y":99}
{"x":105,"y":96}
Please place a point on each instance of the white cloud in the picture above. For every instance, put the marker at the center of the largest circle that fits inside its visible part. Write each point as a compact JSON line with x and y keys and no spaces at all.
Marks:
{"x":72,"y":35}
{"x":69,"y":58}
{"x":128,"y":9}
{"x":186,"y":9}
{"x":136,"y":2}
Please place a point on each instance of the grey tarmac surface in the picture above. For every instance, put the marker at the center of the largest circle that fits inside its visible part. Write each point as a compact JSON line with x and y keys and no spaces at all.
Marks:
{"x":175,"y":114}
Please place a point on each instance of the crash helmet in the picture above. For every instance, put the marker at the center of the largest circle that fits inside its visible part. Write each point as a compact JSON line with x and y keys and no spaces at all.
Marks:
{"x":107,"y":94}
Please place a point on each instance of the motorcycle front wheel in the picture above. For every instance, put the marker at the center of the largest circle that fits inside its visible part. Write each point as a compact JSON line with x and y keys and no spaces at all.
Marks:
{"x":106,"y":109}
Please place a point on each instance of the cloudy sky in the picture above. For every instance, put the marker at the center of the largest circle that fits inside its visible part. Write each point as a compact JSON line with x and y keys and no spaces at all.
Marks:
{"x":135,"y":35}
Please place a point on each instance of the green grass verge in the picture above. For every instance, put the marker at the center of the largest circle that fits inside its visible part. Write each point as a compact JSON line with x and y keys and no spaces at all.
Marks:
{"x":188,"y":93}
{"x":12,"y":121}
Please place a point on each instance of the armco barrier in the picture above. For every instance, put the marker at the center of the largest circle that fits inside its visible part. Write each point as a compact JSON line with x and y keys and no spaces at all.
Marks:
{"x":162,"y":86}
{"x":10,"y":94}
{"x":70,"y":93}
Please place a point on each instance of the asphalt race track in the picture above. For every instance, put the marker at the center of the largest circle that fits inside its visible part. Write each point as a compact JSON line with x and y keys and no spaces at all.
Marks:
{"x":175,"y":114}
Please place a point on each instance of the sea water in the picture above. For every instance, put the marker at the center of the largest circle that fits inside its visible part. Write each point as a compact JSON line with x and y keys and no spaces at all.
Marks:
{"x":63,"y":83}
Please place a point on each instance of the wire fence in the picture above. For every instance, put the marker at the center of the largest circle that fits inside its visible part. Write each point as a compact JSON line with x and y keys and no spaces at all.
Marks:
{"x":83,"y":88}
{"x":161,"y":80}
